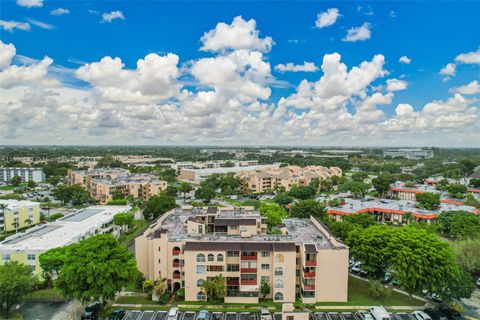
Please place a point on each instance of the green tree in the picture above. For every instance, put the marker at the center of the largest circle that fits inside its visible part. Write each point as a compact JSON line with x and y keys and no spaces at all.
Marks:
{"x":118,"y":195}
{"x":171,"y":191}
{"x":31,"y":184}
{"x":359,"y":176}
{"x":302,"y":192}
{"x":96,"y":268}
{"x":468,"y":255}
{"x":357,"y":188}
{"x":428,"y":200}
{"x":124,"y":220}
{"x":307,"y":208}
{"x":474,"y":183}
{"x":283,"y":199}
{"x":15,"y":181}
{"x":420,"y":260}
{"x":370,"y":246}
{"x":16,"y":281}
{"x":205,"y":192}
{"x":459,"y":285}
{"x":51,"y":261}
{"x":382,"y":183}
{"x":457,"y":190}
{"x":459,"y":224}
{"x":215,"y":288}
{"x":342,"y":229}
{"x":75,"y":194}
{"x":363,"y":219}
{"x":229,"y":184}
{"x":265,"y":289}
{"x":274,"y":214}
{"x":185,"y":188}
{"x":158,"y":205}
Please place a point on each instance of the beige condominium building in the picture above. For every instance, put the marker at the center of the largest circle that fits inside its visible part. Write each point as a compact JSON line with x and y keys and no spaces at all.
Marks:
{"x":103,"y":184}
{"x":187,"y":246}
{"x":260,"y":181}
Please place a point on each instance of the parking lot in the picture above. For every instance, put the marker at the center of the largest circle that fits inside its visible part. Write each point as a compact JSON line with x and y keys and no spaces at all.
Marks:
{"x":192,"y":315}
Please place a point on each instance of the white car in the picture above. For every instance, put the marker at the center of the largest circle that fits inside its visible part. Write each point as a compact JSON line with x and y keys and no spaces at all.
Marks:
{"x":420,"y":315}
{"x":357,"y":267}
{"x":172,"y":314}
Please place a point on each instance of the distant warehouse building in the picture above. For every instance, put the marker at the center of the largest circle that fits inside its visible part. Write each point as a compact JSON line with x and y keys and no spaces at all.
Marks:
{"x":27,"y":174}
{"x":199,"y":175}
{"x":26,"y":247}
{"x":16,"y":214}
{"x":411,"y":154}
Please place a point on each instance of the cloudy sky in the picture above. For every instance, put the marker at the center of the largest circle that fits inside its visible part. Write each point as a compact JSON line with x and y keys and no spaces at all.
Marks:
{"x":250,"y":73}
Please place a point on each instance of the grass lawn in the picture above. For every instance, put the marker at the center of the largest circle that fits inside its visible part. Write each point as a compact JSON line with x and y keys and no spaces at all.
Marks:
{"x":4,"y":188}
{"x":140,"y":226}
{"x":137,"y":299}
{"x":48,"y":294}
{"x":358,"y":296}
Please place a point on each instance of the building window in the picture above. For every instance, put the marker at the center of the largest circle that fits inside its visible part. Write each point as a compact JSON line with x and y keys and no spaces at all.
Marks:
{"x":233,"y":267}
{"x":290,"y":317}
{"x":265,"y":279}
{"x":200,"y":282}
{"x":233,"y":253}
{"x":233,"y":227}
{"x":279,"y":283}
{"x":211,"y":257}
{"x":279,"y":258}
{"x":200,"y":269}
{"x":201,"y":296}
{"x":200,"y":257}
{"x":279,"y":271}
{"x":31,"y":257}
{"x":278,"y":296}
{"x":265,"y":254}
{"x":220,"y":257}
{"x":265,"y":266}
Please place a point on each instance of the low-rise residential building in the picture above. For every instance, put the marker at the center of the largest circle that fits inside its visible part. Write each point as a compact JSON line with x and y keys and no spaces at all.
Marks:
{"x":409,"y":153}
{"x":213,"y":164}
{"x":261,"y":181}
{"x":396,"y":211}
{"x":15,"y":214}
{"x":188,"y":245}
{"x":199,"y":175}
{"x":104,"y":184}
{"x":27,"y":246}
{"x":27,"y":174}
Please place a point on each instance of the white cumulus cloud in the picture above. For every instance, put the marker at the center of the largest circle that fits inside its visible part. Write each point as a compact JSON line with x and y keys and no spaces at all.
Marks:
{"x":30,"y":3}
{"x":449,"y":70}
{"x":396,"y":85}
{"x":59,"y":12}
{"x":361,"y":33}
{"x":470,"y":88}
{"x":7,"y":52}
{"x":469,"y":58}
{"x":327,"y":18}
{"x":113,"y":15}
{"x":405,"y":60}
{"x":240,"y":34}
{"x":291,"y":67}
{"x":12,"y":25}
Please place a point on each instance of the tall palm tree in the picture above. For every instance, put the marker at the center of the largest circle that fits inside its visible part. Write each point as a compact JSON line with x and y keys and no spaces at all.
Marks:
{"x":3,"y":208}
{"x":28,"y":221}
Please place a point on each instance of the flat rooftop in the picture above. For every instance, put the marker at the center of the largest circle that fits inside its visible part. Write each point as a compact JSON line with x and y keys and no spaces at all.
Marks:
{"x":65,"y":231}
{"x":234,"y":169}
{"x":17,"y":204}
{"x":299,"y":230}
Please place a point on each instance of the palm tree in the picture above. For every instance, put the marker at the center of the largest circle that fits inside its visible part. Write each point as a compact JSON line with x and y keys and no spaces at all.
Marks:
{"x":3,"y":208}
{"x":28,"y":221}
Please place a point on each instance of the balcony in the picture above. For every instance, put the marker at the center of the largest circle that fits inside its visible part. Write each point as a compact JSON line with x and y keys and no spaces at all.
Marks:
{"x":251,"y":294}
{"x":248,"y":270}
{"x":309,"y":274}
{"x":176,"y":276}
{"x":248,"y":282}
{"x":311,"y":263}
{"x":308,"y":287}
{"x":233,"y":282}
{"x":176,"y":252}
{"x":249,"y":258}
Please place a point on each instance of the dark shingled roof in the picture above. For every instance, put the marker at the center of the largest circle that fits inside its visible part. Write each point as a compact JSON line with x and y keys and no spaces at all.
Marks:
{"x":220,"y":222}
{"x":310,"y":248}
{"x":239,"y":246}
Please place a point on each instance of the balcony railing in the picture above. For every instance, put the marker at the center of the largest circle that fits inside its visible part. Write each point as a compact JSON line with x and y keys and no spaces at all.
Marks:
{"x":248,"y":282}
{"x":233,"y":282}
{"x":308,"y":287}
{"x":249,"y":257}
{"x":248,"y":270}
{"x":176,"y":252}
{"x":309,"y":274}
{"x":176,"y":264}
{"x":249,"y":294}
{"x":311,"y":263}
{"x":176,"y":276}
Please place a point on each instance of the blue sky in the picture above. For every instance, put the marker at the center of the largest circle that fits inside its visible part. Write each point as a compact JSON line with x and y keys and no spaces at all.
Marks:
{"x":430,"y":34}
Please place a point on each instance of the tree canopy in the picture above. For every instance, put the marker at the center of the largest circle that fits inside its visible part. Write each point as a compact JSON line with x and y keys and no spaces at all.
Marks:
{"x":358,"y":188}
{"x":16,"y":281}
{"x":74,"y":193}
{"x":302,"y":192}
{"x":382,"y":183}
{"x":459,"y":224}
{"x":158,"y":205}
{"x":428,"y":200}
{"x":457,"y":190}
{"x":307,"y":208}
{"x":274,"y":214}
{"x":96,"y":269}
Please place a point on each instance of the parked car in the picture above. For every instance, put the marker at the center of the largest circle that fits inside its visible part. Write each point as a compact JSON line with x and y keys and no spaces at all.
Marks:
{"x":265,"y":314}
{"x":91,"y":311}
{"x":365,"y":315}
{"x":117,"y":314}
{"x":434,"y":297}
{"x":202,"y":315}
{"x":172,"y":314}
{"x":379,"y":313}
{"x":351,"y":262}
{"x":387,"y":278}
{"x":451,"y":314}
{"x":363,"y":273}
{"x":478,"y":282}
{"x":357,"y":267}
{"x":420,"y":315}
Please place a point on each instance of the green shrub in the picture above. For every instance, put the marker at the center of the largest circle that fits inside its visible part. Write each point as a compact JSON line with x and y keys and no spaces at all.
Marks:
{"x":55,"y":216}
{"x":376,"y":289}
{"x":118,"y":202}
